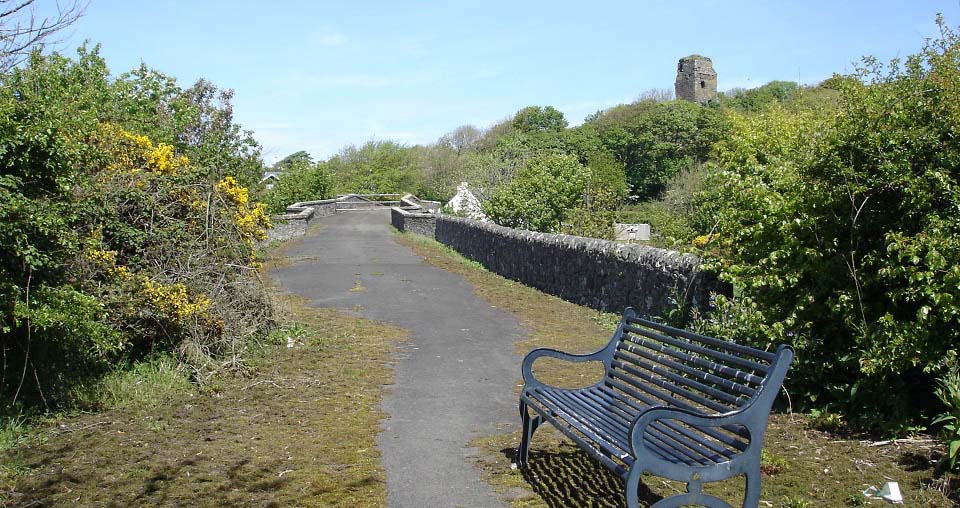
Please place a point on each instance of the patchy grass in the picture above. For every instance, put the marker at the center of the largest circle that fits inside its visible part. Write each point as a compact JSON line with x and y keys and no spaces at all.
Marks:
{"x":300,"y":432}
{"x":145,"y":385}
{"x":807,"y":461}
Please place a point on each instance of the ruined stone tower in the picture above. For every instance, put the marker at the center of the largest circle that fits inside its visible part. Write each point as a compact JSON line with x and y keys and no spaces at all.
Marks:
{"x":696,"y":79}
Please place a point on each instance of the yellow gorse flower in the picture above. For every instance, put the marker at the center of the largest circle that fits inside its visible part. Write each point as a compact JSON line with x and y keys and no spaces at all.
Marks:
{"x":135,"y":152}
{"x":105,"y":257}
{"x":107,"y":261}
{"x":173,"y":299}
{"x":251,"y":221}
{"x":233,"y":191}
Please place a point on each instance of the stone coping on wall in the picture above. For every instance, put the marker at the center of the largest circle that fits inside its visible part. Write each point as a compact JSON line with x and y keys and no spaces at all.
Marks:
{"x":414,"y":220}
{"x":304,"y":210}
{"x":655,"y":256}
{"x":599,"y":273}
{"x":412,"y":211}
{"x":409,"y":200}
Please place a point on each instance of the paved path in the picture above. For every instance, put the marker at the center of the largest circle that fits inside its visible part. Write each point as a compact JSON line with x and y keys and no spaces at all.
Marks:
{"x":455,"y":379}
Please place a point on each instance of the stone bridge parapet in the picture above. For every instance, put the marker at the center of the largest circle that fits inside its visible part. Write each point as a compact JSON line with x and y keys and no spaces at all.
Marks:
{"x":597,"y":273}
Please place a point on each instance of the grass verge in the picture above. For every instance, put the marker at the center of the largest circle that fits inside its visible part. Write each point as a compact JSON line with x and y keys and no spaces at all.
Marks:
{"x":300,"y":431}
{"x":803,"y":466}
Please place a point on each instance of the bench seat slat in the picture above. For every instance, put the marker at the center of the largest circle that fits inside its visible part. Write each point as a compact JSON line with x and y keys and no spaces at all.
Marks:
{"x":585,"y":419}
{"x":673,"y":441}
{"x":703,"y":339}
{"x":595,"y":448}
{"x":678,"y":433}
{"x":626,"y":412}
{"x":720,"y":355}
{"x":724,"y":437}
{"x":692,"y":384}
{"x":721,"y":369}
{"x":621,"y":370}
{"x":613,"y":387}
{"x":583,"y":425}
{"x":696,"y":373}
{"x":703,"y":447}
{"x":600,"y":420}
{"x":695,"y":443}
{"x":670,"y":450}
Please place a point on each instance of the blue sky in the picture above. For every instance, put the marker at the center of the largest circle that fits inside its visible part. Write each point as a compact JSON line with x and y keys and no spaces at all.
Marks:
{"x":319,"y":75}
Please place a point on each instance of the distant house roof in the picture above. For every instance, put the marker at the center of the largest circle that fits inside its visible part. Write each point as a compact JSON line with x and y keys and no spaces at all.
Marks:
{"x":270,"y":175}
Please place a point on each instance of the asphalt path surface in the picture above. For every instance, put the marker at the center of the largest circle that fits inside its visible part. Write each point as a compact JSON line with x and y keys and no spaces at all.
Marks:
{"x":454,"y":380}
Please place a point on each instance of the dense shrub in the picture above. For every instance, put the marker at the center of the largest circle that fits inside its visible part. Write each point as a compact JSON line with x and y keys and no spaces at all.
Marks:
{"x":840,"y":228}
{"x":114,"y":245}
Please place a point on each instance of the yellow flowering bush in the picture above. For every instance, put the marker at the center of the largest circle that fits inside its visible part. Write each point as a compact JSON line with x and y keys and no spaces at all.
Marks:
{"x":105,"y":261}
{"x":252,"y":221}
{"x":133,"y":152}
{"x":702,"y":241}
{"x":174,"y":300}
{"x":172,"y":251}
{"x":101,"y":257}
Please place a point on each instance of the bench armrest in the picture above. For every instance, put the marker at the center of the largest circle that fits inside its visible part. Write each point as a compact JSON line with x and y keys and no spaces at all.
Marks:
{"x":693,"y":418}
{"x":527,"y":367}
{"x":749,"y":417}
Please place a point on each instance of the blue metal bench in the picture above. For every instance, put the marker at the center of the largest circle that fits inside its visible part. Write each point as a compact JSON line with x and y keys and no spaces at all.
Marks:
{"x":671,"y":403}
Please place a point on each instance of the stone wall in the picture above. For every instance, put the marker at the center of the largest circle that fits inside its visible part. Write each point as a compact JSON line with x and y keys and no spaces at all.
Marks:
{"x":409,"y":200}
{"x":285,"y":229}
{"x":413,"y":221}
{"x":298,"y":217}
{"x":322,"y":208}
{"x":601,"y":274}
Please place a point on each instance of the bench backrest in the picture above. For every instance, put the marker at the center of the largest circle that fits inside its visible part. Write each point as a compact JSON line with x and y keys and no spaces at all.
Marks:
{"x":658,"y":365}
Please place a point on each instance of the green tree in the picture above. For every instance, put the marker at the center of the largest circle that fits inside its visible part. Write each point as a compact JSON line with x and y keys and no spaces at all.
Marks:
{"x":605,"y":191}
{"x":377,"y":167}
{"x":301,"y":181}
{"x":48,"y":108}
{"x":296,"y":160}
{"x":539,"y":119}
{"x":113,"y":246}
{"x":656,"y":141}
{"x":541,"y":194}
{"x":197,"y":121}
{"x":461,"y":140}
{"x":755,"y":99}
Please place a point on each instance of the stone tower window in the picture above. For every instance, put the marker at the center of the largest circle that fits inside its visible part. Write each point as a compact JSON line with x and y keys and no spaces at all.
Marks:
{"x":696,"y":80}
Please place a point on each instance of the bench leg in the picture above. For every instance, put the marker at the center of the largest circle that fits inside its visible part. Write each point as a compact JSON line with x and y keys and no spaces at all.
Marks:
{"x":693,"y":497}
{"x":751,"y":499}
{"x":690,"y":499}
{"x":529,"y":426}
{"x":633,"y":487}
